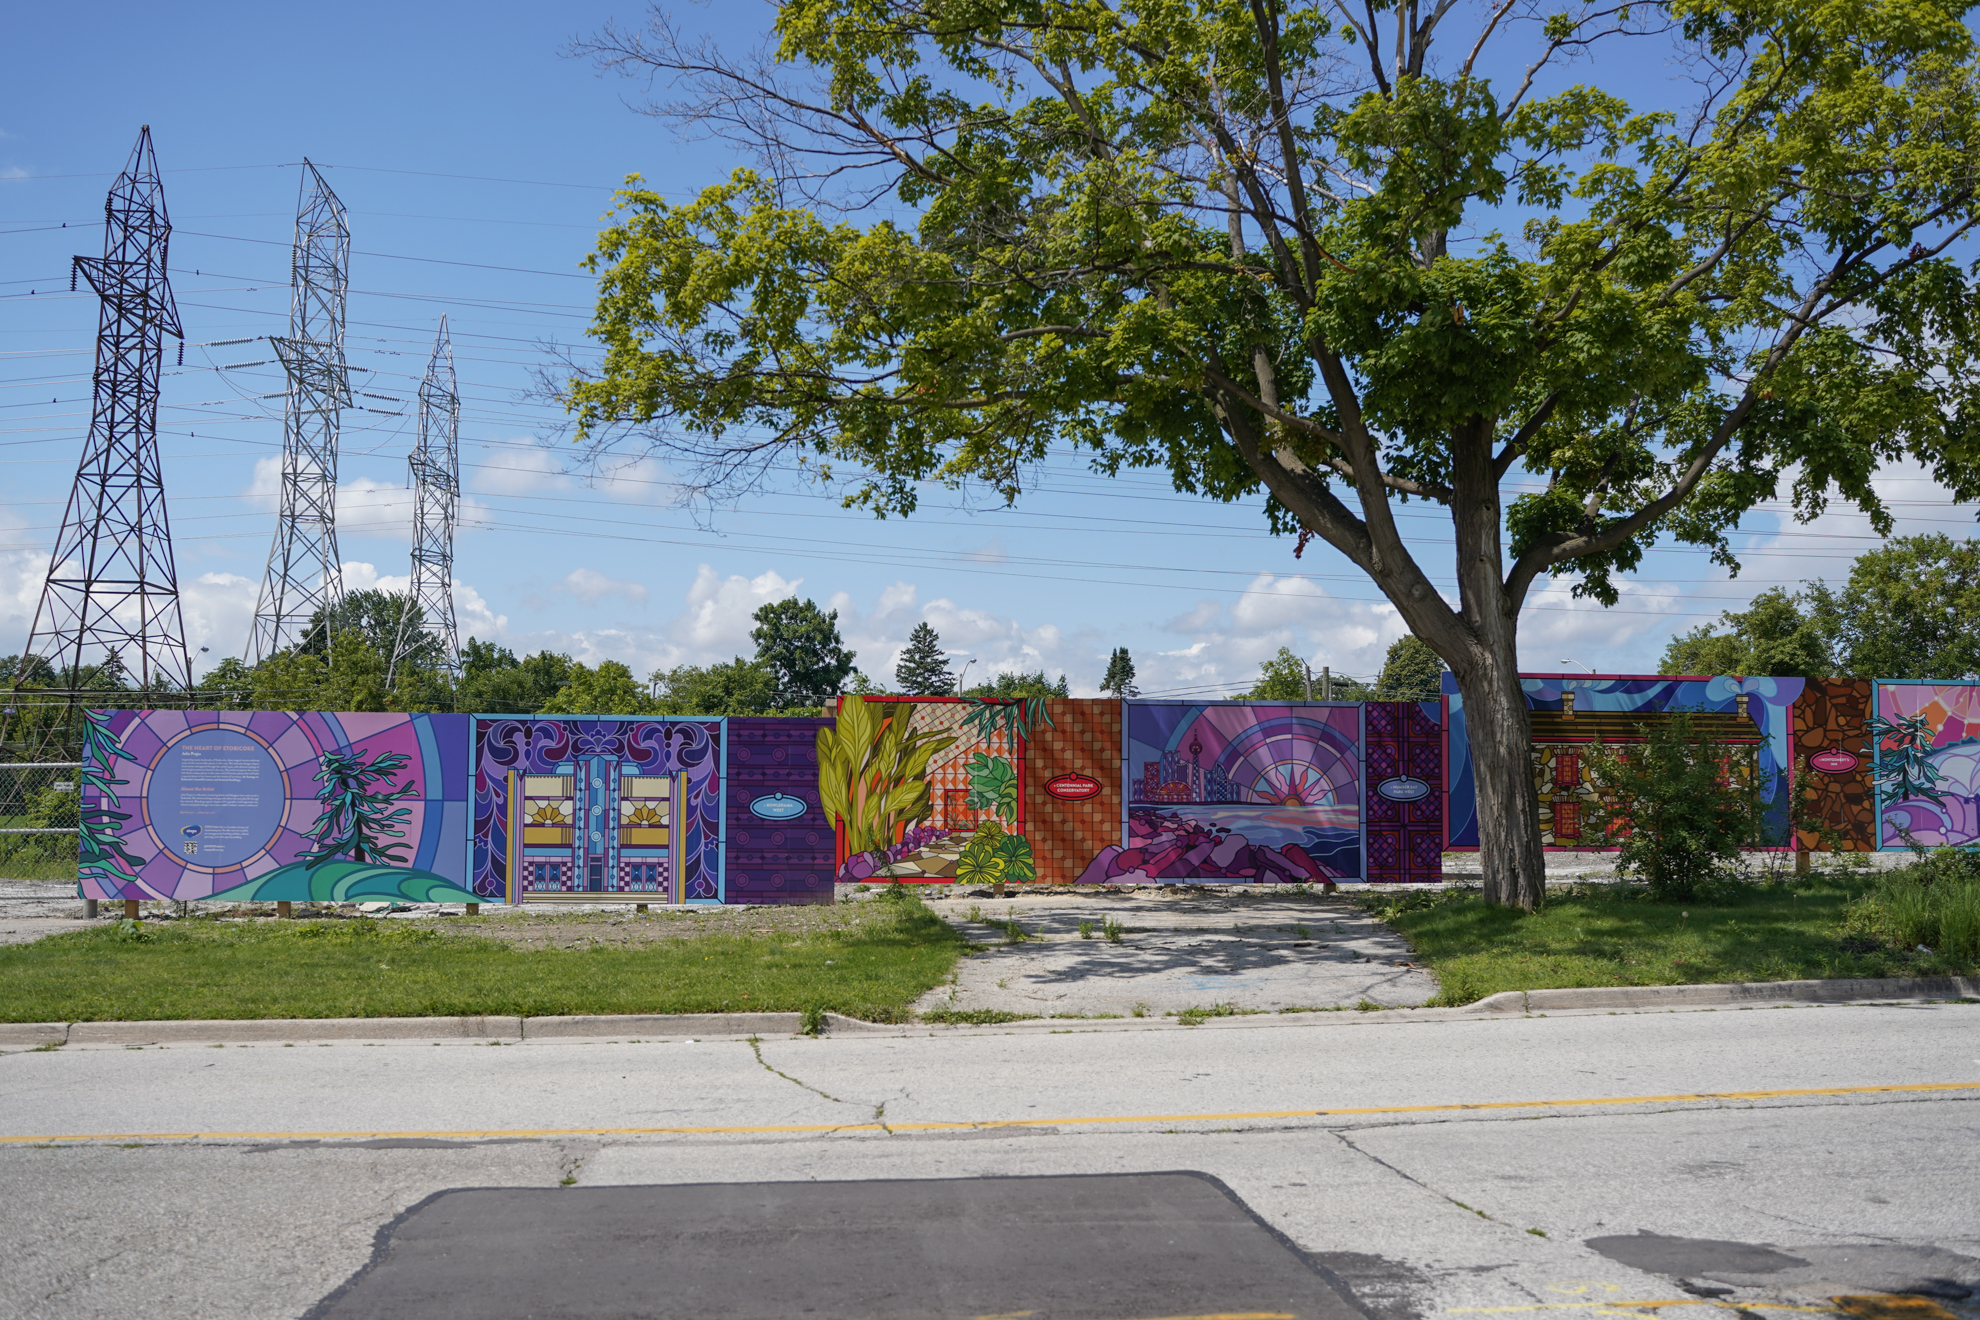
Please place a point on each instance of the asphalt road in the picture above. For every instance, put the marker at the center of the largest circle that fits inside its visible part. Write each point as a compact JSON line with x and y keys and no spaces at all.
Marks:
{"x":1423,"y":1169}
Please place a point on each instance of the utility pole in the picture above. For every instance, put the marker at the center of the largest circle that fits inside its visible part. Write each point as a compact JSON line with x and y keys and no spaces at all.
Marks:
{"x":1327,"y":683}
{"x":112,"y":592}
{"x":1306,"y":675}
{"x":304,"y":573}
{"x":436,"y":481}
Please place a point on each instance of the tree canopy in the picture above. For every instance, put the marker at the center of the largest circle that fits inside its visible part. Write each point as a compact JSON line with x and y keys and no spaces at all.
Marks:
{"x":1119,"y":679}
{"x":923,"y":669}
{"x":800,"y":645}
{"x":1284,"y":253}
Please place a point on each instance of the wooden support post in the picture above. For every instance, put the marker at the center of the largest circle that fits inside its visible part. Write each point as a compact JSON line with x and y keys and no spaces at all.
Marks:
{"x":474,"y":909}
{"x":284,"y":909}
{"x":1801,"y":861}
{"x":640,"y":907}
{"x":89,"y":909}
{"x":130,"y":908}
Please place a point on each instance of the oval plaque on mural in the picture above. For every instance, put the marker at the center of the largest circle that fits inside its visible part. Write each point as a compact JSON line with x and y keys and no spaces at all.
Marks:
{"x":1073,"y":788}
{"x":1404,"y":788}
{"x":1835,"y":761}
{"x":777,"y":806}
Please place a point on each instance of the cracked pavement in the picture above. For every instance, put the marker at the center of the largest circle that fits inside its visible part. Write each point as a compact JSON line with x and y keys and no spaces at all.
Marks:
{"x":1196,"y":950}
{"x":1771,"y":1205}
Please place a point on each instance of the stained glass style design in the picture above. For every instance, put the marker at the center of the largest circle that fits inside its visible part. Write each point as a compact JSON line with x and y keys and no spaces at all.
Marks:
{"x":1925,"y":763}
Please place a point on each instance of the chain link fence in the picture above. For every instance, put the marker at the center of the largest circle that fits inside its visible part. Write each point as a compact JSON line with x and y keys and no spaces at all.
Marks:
{"x":40,"y":818}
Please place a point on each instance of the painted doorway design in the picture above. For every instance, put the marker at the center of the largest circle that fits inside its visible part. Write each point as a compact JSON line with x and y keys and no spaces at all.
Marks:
{"x":598,"y":809}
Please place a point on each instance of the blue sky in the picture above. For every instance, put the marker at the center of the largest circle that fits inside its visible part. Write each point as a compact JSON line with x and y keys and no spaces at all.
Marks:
{"x":476,"y":162}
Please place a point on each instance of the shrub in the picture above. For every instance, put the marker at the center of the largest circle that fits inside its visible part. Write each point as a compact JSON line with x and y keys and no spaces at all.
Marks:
{"x":1673,"y":809}
{"x":1935,"y":902}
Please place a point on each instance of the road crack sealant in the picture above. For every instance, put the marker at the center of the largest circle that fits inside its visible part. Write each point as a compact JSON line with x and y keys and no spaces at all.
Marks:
{"x":879,"y":1111}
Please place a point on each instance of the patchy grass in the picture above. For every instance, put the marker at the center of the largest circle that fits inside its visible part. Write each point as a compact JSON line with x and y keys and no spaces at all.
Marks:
{"x":1823,"y":925}
{"x":1196,"y":1017}
{"x":974,"y":1017}
{"x":870,"y":960}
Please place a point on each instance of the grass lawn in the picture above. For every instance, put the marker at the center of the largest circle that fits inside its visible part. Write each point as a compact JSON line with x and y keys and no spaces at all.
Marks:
{"x":869,"y":960}
{"x":1827,"y":924}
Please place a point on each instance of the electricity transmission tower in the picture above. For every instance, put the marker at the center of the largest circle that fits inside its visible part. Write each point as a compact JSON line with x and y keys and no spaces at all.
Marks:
{"x":436,"y":480}
{"x":112,"y":594}
{"x":303,"y":575}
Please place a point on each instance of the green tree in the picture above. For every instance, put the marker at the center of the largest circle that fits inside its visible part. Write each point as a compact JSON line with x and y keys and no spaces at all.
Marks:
{"x":360,"y":811}
{"x":739,"y":687}
{"x":923,"y":669}
{"x":229,"y":685}
{"x":1275,"y":250}
{"x":375,"y":615}
{"x":609,"y":689}
{"x":1411,"y":671}
{"x":1012,"y":687}
{"x":1911,"y":609}
{"x":1779,"y":635}
{"x":1119,"y":681}
{"x":800,"y":644}
{"x":1673,"y":807}
{"x":494,"y":682}
{"x":1281,"y":678}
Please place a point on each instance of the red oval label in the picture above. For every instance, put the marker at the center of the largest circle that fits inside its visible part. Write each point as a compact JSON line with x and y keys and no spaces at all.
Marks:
{"x":1072,"y":788}
{"x":1835,"y":761}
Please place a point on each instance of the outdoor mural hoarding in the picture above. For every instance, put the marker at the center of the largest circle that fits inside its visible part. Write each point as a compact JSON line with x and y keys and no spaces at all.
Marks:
{"x":1570,"y":713}
{"x":1925,"y":750}
{"x":274,"y":806}
{"x":1875,"y":765}
{"x":598,"y":808}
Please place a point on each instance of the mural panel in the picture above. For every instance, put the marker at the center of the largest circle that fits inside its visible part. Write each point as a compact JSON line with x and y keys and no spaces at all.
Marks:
{"x":1072,"y":786}
{"x":1832,"y":766}
{"x":1925,"y":739}
{"x":1403,"y":769}
{"x":1570,"y":712}
{"x":1238,"y":791}
{"x":780,"y":846}
{"x":274,"y":806}
{"x":600,"y":807}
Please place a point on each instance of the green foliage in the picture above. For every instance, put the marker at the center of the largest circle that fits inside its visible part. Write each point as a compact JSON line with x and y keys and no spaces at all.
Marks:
{"x":800,"y":644}
{"x":1676,"y":816}
{"x":739,"y":687}
{"x":1778,"y":635}
{"x":1901,"y":759}
{"x":1934,"y":903}
{"x":358,"y":818}
{"x":1284,"y":677}
{"x":494,"y":682}
{"x":1020,"y":687}
{"x":103,"y":857}
{"x":872,"y":771}
{"x":1410,"y":672}
{"x":1911,"y":609}
{"x":1119,"y":680}
{"x":609,"y":689}
{"x":993,"y":785}
{"x":993,"y":856}
{"x":923,"y":669}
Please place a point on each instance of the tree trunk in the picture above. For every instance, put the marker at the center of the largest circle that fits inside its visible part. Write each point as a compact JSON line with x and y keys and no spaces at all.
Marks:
{"x":1501,"y":740}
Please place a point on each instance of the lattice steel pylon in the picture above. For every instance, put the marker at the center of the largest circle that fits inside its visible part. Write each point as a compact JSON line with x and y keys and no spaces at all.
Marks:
{"x":304,"y":573}
{"x":436,"y":482}
{"x":112,"y":591}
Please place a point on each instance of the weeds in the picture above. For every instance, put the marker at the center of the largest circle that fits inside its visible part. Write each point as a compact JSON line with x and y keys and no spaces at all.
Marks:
{"x":1196,"y":1017}
{"x":813,"y":1023}
{"x":1086,"y":930}
{"x":1112,"y":930}
{"x":974,"y":1017}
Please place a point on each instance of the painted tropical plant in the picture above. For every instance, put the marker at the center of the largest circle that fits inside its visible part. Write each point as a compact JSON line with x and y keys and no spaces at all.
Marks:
{"x":873,"y":771}
{"x":993,"y":785}
{"x":994,"y":856}
{"x":358,"y":818}
{"x":1904,"y":770}
{"x":990,"y":718}
{"x":103,"y":858}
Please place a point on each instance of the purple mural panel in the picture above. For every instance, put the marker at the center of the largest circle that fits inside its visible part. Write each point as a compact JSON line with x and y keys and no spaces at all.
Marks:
{"x":1405,"y":777}
{"x":779,"y":847}
{"x":1925,"y":742}
{"x":617,"y":806}
{"x":194,"y":803}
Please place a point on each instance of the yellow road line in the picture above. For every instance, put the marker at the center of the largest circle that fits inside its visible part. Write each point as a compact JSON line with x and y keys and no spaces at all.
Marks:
{"x":766,"y":1129}
{"x":1645,"y":1306}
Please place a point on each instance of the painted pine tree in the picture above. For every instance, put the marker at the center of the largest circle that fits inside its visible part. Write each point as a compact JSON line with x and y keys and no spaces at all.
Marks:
{"x":358,"y":816}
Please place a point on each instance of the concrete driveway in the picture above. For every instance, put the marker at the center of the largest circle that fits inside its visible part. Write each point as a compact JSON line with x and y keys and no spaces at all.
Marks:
{"x":1176,"y":950}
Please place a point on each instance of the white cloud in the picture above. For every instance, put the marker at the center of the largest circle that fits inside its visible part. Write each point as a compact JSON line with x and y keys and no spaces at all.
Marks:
{"x":717,"y":622}
{"x":590,"y":586}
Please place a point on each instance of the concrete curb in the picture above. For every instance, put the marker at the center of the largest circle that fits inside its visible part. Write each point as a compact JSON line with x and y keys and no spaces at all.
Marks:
{"x":1620,"y":998}
{"x":1732,"y":992}
{"x":226,"y":1031}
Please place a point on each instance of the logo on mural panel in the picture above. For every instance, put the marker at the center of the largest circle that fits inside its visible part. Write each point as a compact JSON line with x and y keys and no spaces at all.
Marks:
{"x":1073,"y":788}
